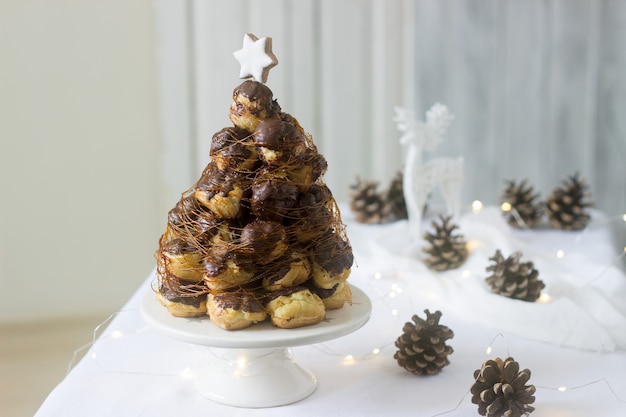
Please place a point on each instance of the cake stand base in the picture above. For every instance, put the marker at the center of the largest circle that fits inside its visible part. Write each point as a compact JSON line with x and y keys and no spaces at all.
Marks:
{"x":253,"y":378}
{"x":253,"y":367}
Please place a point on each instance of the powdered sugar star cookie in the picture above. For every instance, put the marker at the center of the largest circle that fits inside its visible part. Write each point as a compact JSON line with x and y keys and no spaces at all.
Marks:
{"x":256,"y":57}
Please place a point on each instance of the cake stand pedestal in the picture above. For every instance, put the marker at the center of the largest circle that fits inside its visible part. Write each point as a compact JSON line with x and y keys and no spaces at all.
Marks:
{"x":253,"y":367}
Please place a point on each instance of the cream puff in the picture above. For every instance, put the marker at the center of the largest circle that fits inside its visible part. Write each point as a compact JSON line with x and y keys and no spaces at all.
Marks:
{"x":182,"y":259}
{"x":221,"y":191}
{"x":273,"y":198}
{"x":252,"y":102}
{"x":235,"y":310}
{"x":232,"y":148}
{"x":335,"y":297}
{"x":233,"y":271}
{"x":291,"y":270}
{"x":180,"y":303}
{"x":295,"y":307}
{"x":264,"y":241}
{"x":331,"y":260}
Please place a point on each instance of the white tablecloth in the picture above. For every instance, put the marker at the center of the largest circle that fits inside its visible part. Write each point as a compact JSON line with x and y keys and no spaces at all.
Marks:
{"x":133,"y":370}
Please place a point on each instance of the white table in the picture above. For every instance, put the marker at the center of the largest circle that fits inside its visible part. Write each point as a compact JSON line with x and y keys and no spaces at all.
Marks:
{"x":133,"y":370}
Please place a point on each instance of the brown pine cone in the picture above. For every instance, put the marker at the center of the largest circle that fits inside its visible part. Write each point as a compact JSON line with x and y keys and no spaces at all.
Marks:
{"x":394,"y":199}
{"x":367,"y":204}
{"x":524,"y":211}
{"x":500,"y":389}
{"x":446,"y":251}
{"x":514,"y":279}
{"x":422,"y":346}
{"x":567,"y":205}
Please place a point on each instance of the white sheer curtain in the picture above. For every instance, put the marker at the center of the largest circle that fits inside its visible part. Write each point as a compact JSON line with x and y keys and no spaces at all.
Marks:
{"x":538,"y":88}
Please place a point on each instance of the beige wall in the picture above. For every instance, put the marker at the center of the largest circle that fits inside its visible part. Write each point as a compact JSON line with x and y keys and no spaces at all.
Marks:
{"x":79,"y":155}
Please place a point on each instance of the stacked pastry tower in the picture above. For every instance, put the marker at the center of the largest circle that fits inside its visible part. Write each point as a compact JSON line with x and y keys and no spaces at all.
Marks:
{"x":259,"y":235}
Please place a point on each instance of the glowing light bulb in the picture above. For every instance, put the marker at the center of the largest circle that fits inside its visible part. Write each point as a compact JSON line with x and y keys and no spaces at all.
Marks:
{"x":376,"y":351}
{"x":466,"y":273}
{"x":241,"y":362}
{"x":348,"y":360}
{"x":392,"y":294}
{"x":560,"y":253}
{"x":506,"y":206}
{"x":394,"y":312}
{"x":472,"y":244}
{"x":489,"y":350}
{"x":477,"y":206}
{"x":117,"y":334}
{"x":624,"y":217}
{"x":378,"y":275}
{"x":562,"y":389}
{"x":93,"y":355}
{"x":544,"y":298}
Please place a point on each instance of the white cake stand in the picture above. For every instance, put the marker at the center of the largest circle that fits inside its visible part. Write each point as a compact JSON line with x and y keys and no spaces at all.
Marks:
{"x":254,"y":367}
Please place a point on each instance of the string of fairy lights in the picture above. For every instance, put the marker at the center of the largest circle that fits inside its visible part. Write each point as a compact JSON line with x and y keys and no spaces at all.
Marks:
{"x":385,"y":289}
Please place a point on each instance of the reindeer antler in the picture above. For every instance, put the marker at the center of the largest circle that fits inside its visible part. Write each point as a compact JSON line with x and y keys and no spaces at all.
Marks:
{"x":428,"y":135}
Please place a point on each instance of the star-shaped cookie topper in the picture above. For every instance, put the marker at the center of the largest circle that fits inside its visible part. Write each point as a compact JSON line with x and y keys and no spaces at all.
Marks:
{"x":256,"y":57}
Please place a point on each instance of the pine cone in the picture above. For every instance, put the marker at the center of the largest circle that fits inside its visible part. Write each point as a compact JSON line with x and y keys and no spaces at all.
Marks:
{"x":524,"y":209}
{"x":566,"y":205}
{"x":367,"y":204}
{"x":422,"y":346}
{"x":514,"y":279}
{"x":499,"y":389}
{"x":394,"y":199}
{"x":446,"y":251}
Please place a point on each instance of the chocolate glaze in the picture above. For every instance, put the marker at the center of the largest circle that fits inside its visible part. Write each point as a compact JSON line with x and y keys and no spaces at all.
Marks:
{"x":284,"y":292}
{"x":179,"y":246}
{"x":184,"y":211}
{"x":213,"y":267}
{"x":227,"y":137}
{"x":311,"y":212}
{"x":272,"y":198}
{"x":321,"y":292}
{"x":333,"y":253}
{"x":231,"y":145}
{"x":260,"y":237}
{"x":245,"y":301}
{"x":277,"y":135}
{"x":215,"y":181}
{"x":172,"y":291}
{"x":258,"y":93}
{"x":206,"y":224}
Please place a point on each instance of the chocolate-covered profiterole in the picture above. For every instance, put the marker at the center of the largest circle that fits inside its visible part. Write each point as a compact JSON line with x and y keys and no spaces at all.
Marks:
{"x":183,"y":259}
{"x":232,"y":148}
{"x":252,"y":102}
{"x":221,"y":191}
{"x":272,"y":199}
{"x":290,"y":270}
{"x":263,"y":240}
{"x":311,"y":217}
{"x":279,"y":142}
{"x":235,"y":310}
{"x":179,"y":303}
{"x":180,"y":219}
{"x":234,"y":270}
{"x":333,"y":298}
{"x":331,"y":260}
{"x":295,"y":307}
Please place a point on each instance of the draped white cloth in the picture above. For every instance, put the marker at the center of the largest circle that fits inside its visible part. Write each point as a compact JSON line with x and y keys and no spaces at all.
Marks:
{"x":133,"y":370}
{"x":585,"y":289}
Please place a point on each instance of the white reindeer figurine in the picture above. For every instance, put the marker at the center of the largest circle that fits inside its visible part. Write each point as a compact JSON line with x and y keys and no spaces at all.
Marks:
{"x":420,"y":179}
